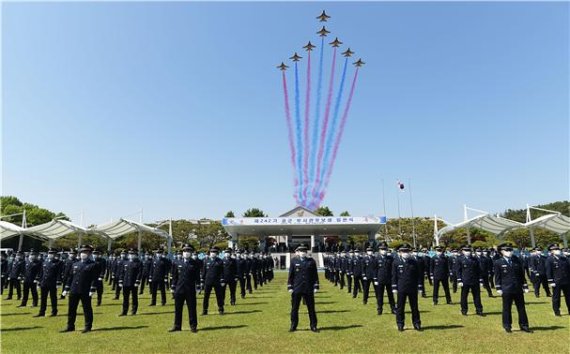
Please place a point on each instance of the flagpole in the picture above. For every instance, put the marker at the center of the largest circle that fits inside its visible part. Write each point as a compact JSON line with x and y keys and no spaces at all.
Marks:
{"x":384,"y":204}
{"x":399,"y":216}
{"x":412,"y":210}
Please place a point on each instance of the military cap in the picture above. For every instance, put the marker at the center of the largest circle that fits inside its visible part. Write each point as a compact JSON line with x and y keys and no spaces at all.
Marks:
{"x":553,"y":246}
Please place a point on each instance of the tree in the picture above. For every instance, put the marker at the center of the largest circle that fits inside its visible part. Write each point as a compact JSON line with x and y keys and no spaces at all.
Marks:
{"x":345,"y":213}
{"x":248,"y":242}
{"x":230,"y":214}
{"x":324,"y":211}
{"x":254,"y":213}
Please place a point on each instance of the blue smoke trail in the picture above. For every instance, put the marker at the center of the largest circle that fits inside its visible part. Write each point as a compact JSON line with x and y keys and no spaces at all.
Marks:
{"x":315,"y":139}
{"x":332,"y":133}
{"x":299,"y":148}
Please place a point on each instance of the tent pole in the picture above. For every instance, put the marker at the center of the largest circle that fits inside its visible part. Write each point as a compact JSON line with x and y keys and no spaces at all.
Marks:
{"x":532,"y":240}
{"x":80,"y":238}
{"x":565,"y":239}
{"x":140,"y":241}
{"x":109,"y":244}
{"x":169,"y":241}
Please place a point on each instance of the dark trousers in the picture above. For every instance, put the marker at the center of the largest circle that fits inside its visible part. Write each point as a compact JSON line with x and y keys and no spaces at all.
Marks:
{"x":33,"y":288}
{"x":14,"y":283}
{"x":379,"y":291}
{"x":400,"y":308}
{"x":341,"y":279}
{"x":453,"y":279}
{"x":518,"y":299}
{"x":476,"y":292}
{"x":558,"y":289}
{"x":154,"y":287}
{"x":242,"y":286}
{"x":309,"y":299}
{"x":487,"y":286}
{"x":366,"y":289}
{"x":538,"y":281}
{"x":349,"y":282}
{"x":117,"y":288}
{"x":356,"y":286}
{"x":72,"y":310}
{"x":3,"y":283}
{"x":232,"y":285}
{"x":219,"y":296}
{"x":179,"y":300}
{"x":127,"y":291}
{"x":445,"y":284}
{"x":248,"y":282}
{"x":52,"y":290}
{"x":99,"y":285}
{"x":144,"y":280}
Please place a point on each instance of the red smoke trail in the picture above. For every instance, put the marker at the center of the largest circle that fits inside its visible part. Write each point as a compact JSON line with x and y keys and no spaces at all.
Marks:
{"x":338,"y":139}
{"x":325,"y":126}
{"x":306,"y":132}
{"x":290,"y":131}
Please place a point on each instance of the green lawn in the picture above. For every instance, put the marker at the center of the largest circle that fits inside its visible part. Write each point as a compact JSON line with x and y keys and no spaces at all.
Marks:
{"x":260,"y":323}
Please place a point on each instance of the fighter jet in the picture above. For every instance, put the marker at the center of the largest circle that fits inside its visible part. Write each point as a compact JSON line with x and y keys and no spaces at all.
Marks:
{"x":323,"y":32}
{"x":359,"y":63}
{"x":336,"y":42}
{"x":348,"y":53}
{"x":282,"y":67}
{"x":295,"y":57}
{"x":309,"y":46}
{"x":323,"y":17}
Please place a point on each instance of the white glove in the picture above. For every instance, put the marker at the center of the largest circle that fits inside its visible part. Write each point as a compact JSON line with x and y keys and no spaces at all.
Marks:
{"x":150,"y":280}
{"x":526,"y":291}
{"x":290,"y":290}
{"x":500,"y":292}
{"x":460,"y":285}
{"x":90,"y":293}
{"x":120,"y":285}
{"x":64,"y":293}
{"x":364,"y":278}
{"x":223,"y":284}
{"x":394,"y":291}
{"x":315,"y":290}
{"x":431,"y":277}
{"x":376,"y":283}
{"x":172,"y":291}
{"x":100,"y":279}
{"x":552,"y":285}
{"x":420,"y":291}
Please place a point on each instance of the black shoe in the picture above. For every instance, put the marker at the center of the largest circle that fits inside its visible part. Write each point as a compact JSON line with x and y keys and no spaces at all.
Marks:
{"x":449,"y":302}
{"x":9,"y":298}
{"x":435,"y":303}
{"x":418,"y":327}
{"x":221,"y":312}
{"x":314,"y":329}
{"x":481,"y":314}
{"x":115,"y":298}
{"x":174,"y":329}
{"x":526,"y":329}
{"x":401,"y":328}
{"x":67,"y":330}
{"x":152,"y":305}
{"x":243,"y":296}
{"x":98,"y":304}
{"x":21,"y":306}
{"x":557,"y":314}
{"x":508,"y":330}
{"x":163,"y":304}
{"x":40,"y":315}
{"x":122,"y":314}
{"x":464,"y":313}
{"x":292,"y":329}
{"x":393,"y":311}
{"x":53,"y":314}
{"x":85,"y":330}
{"x":233,"y":303}
{"x":193,"y":329}
{"x":379,"y":311}
{"x":364,"y":302}
{"x":204,"y":313}
{"x":133,"y":313}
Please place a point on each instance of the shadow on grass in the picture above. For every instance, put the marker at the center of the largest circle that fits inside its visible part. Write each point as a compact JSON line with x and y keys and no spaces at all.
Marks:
{"x":493,"y":313}
{"x":16,"y":314}
{"x":241,"y":312}
{"x":549,"y":328}
{"x":118,"y":328}
{"x":333,"y":311}
{"x":535,"y":302}
{"x":324,"y":302}
{"x":441,"y":327}
{"x":14,"y":329}
{"x":221,"y":327}
{"x":339,"y":328}
{"x":154,"y":313}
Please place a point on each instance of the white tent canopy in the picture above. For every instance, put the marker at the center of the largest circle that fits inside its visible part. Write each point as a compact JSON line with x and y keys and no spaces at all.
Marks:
{"x":9,"y":230}
{"x":54,"y":229}
{"x":121,"y":227}
{"x":553,"y":222}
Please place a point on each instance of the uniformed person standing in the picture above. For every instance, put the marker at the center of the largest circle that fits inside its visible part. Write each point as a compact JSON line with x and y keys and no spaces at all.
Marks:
{"x":68,"y":267}
{"x":146,"y":265}
{"x":453,"y":269}
{"x":184,"y":278}
{"x":357,"y":272}
{"x":383,"y":279}
{"x":118,"y":272}
{"x":101,"y":270}
{"x":343,"y":266}
{"x":4,"y":272}
{"x":158,"y":278}
{"x":15,"y":275}
{"x":31,"y":278}
{"x":439,"y":273}
{"x":241,"y":270}
{"x":469,"y":280}
{"x":213,"y":278}
{"x":558,"y":275}
{"x":249,"y":263}
{"x":369,"y":273}
{"x":510,"y":283}
{"x":230,"y":275}
{"x":407,"y":283}
{"x":486,"y":265}
{"x":538,"y":269}
{"x":349,"y":270}
{"x":50,"y":276}
{"x":130,"y":281}
{"x":81,"y":287}
{"x":303,"y":283}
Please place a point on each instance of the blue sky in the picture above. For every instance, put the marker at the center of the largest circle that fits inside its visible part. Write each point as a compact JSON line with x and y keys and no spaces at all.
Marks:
{"x":177,"y":108}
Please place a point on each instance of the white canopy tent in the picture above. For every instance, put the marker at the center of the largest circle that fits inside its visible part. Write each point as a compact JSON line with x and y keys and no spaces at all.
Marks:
{"x":555,"y":222}
{"x":121,"y":227}
{"x":9,"y":230}
{"x":55,"y":229}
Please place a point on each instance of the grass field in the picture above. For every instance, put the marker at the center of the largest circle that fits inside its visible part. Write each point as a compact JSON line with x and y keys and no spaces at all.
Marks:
{"x":260,"y":324}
